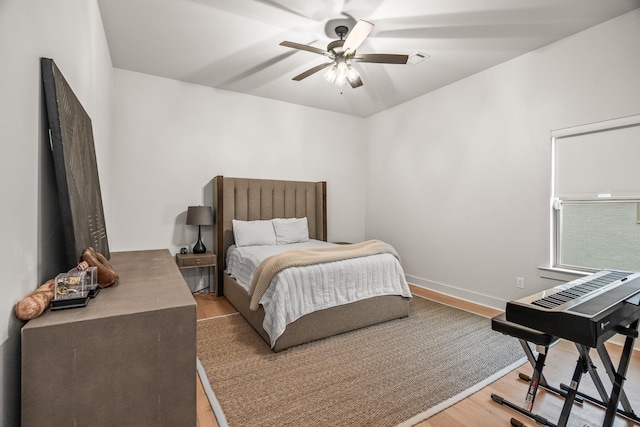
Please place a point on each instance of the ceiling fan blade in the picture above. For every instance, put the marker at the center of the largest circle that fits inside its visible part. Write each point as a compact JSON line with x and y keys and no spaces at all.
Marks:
{"x":357,"y":35}
{"x":311,"y":71}
{"x":308,"y":48}
{"x":382,"y":58}
{"x":357,"y":82}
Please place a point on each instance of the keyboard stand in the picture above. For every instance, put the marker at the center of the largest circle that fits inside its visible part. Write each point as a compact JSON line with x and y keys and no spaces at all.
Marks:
{"x":617,"y":376}
{"x":543,"y":342}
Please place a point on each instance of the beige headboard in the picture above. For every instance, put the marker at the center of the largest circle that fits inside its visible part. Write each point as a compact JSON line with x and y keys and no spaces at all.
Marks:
{"x":251,"y":199}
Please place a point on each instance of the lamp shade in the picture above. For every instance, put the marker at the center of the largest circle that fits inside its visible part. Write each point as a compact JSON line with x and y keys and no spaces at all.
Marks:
{"x":199,"y":215}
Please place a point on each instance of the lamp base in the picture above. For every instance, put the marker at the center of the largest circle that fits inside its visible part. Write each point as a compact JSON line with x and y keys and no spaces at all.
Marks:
{"x":199,"y":247}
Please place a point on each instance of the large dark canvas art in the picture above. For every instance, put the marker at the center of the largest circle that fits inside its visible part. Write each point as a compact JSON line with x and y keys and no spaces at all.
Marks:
{"x":75,"y":166}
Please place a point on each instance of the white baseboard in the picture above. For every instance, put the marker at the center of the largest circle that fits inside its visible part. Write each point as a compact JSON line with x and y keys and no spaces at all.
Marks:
{"x":462,"y":294}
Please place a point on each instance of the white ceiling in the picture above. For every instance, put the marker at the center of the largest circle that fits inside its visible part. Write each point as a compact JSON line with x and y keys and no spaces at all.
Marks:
{"x":234,"y":44}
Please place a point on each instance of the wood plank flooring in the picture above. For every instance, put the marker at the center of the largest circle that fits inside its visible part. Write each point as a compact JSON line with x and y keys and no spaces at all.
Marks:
{"x":479,"y":410}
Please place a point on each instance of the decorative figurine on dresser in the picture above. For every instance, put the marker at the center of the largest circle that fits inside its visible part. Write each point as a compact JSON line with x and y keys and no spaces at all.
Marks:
{"x":71,"y":289}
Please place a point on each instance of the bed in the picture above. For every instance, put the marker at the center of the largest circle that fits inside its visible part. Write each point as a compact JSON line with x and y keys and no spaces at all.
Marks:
{"x":248,"y":199}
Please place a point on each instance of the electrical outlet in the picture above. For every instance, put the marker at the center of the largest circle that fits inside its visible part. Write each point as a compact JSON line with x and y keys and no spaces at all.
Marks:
{"x":520,"y":282}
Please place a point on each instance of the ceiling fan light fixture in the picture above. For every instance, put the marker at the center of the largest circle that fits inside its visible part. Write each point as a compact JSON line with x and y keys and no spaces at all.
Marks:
{"x":352,"y":74}
{"x":331,"y":74}
{"x":342,"y":72}
{"x":342,"y":69}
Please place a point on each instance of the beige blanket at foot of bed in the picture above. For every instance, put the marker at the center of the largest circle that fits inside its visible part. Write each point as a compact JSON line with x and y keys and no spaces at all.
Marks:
{"x":300,"y":257}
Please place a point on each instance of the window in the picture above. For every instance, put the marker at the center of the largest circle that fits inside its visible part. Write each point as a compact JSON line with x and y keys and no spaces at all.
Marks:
{"x":596,"y":234}
{"x":596,"y":196}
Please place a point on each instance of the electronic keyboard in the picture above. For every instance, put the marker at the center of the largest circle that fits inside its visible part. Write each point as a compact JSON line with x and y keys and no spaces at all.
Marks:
{"x":588,"y":311}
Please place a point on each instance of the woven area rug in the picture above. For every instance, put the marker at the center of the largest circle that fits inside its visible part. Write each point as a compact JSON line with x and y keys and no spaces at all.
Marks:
{"x":401,"y":371}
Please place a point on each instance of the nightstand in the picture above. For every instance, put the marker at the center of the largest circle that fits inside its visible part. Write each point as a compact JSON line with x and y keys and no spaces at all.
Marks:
{"x":207,"y":259}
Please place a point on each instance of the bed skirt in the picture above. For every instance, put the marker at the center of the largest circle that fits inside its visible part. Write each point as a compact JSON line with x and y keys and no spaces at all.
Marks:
{"x":322,"y":323}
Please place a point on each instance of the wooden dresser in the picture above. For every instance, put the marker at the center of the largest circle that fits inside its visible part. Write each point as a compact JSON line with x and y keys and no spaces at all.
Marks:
{"x":126,"y":359}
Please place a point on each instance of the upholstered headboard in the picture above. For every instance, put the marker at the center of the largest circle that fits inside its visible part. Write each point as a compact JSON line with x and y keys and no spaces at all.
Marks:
{"x":251,"y":199}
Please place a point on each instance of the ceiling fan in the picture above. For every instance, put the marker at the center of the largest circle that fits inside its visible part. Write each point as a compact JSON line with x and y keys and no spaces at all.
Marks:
{"x":342,"y":51}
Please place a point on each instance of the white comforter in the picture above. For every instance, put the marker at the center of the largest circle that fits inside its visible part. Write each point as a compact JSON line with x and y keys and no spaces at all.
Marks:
{"x":297,"y":291}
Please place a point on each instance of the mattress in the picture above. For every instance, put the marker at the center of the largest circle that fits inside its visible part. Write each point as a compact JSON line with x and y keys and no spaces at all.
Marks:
{"x":298,"y":291}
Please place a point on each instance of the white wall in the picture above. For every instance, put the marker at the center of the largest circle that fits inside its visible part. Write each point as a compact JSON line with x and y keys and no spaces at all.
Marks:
{"x":459,"y":179}
{"x":472,"y":159}
{"x":71,"y":33}
{"x":171,"y":138}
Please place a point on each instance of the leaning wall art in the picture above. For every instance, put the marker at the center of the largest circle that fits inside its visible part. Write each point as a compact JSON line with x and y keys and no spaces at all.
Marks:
{"x":76,"y":170}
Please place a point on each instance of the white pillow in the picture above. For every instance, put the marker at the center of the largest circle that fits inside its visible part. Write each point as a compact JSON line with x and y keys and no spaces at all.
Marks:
{"x":253,"y":233}
{"x":291,"y":230}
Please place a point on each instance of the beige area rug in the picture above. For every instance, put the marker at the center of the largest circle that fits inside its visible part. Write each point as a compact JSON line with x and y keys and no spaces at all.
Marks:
{"x":399,"y":371}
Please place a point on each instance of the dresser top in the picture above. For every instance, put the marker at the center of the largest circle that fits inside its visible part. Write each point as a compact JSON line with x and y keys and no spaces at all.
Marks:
{"x":149,"y":281}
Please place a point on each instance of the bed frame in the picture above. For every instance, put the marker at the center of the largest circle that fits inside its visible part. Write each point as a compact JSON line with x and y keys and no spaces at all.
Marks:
{"x":254,"y":199}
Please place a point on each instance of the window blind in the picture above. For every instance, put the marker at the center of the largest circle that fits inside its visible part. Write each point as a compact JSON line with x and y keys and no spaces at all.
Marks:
{"x":591,"y":160}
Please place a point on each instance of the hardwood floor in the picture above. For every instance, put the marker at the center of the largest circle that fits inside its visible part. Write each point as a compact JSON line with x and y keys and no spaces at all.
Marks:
{"x":479,"y":410}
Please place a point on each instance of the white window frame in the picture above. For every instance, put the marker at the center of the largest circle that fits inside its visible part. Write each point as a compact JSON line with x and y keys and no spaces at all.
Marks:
{"x":556,"y":202}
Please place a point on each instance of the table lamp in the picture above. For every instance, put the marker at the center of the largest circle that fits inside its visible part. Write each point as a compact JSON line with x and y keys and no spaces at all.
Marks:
{"x":199,"y":215}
